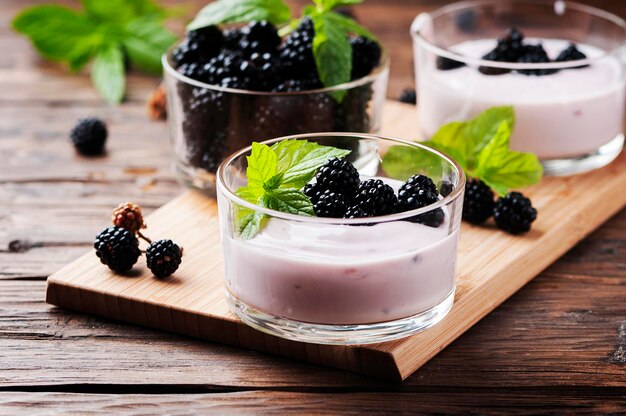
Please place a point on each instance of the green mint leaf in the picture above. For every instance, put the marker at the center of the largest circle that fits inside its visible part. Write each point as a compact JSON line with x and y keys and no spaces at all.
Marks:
{"x":401,"y":162}
{"x":332,"y":52}
{"x":120,"y":11}
{"x":502,"y":168}
{"x":107,"y":73}
{"x":274,"y":182}
{"x":304,"y":169}
{"x":262,"y":165}
{"x":57,"y":32}
{"x":250,"y":194}
{"x":237,"y":11}
{"x":349,"y":25}
{"x":146,"y":40}
{"x":480,"y":130}
{"x":447,"y":140}
{"x":249,"y":222}
{"x":291,"y":201}
{"x":290,"y":152}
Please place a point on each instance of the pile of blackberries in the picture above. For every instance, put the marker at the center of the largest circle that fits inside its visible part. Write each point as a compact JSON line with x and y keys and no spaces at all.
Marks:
{"x":338,"y":192}
{"x":216,"y":122}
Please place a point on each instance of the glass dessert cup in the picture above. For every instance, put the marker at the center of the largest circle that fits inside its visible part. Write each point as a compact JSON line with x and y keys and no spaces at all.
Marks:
{"x":571,"y":118}
{"x":343,"y":281}
{"x":208,"y":123}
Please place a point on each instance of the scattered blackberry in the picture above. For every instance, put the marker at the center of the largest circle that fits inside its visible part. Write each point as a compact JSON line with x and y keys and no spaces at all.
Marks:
{"x":331,"y":205}
{"x":535,"y":54}
{"x":446,"y":188}
{"x":478,"y":202}
{"x":118,"y":248}
{"x":408,"y":96}
{"x":313,"y":191}
{"x":571,"y":53}
{"x":355,"y":212}
{"x":365,"y":56}
{"x":128,"y":216}
{"x":416,"y":182}
{"x":260,"y":69}
{"x":163,"y":257}
{"x":199,"y":46}
{"x":296,"y":52}
{"x":259,"y":37}
{"x":509,"y":49}
{"x":376,"y":198}
{"x":447,"y":64}
{"x":514,"y":213}
{"x":338,"y":175}
{"x":418,"y":192}
{"x":89,"y":136}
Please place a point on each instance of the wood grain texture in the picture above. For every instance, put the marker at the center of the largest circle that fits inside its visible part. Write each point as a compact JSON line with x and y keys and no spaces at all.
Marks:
{"x":557,"y":346}
{"x":491,"y":267}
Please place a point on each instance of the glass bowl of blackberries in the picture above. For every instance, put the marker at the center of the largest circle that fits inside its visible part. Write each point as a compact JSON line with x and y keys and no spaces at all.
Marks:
{"x":227,"y":86}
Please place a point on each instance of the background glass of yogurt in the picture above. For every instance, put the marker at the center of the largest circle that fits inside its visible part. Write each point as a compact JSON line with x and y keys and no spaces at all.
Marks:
{"x":343,"y":281}
{"x":207,"y":122}
{"x":572,"y":119}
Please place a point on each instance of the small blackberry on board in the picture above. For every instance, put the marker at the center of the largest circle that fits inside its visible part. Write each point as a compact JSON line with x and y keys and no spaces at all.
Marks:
{"x":163,"y":257}
{"x":514,"y":213}
{"x":117,"y":248}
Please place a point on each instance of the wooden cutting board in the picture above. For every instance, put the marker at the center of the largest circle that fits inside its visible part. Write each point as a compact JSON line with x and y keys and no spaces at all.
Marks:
{"x":491,"y":267}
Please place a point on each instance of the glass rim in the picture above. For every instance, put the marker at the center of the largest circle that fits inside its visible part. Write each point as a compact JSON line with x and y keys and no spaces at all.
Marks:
{"x":381,"y":69}
{"x":233,"y":197}
{"x":443,"y":52}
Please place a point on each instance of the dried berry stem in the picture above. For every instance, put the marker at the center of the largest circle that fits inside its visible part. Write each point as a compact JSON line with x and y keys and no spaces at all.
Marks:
{"x":143,"y":237}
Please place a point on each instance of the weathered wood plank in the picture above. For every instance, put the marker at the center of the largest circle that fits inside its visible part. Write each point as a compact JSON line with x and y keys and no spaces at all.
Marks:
{"x":559,"y":330}
{"x":427,"y":402}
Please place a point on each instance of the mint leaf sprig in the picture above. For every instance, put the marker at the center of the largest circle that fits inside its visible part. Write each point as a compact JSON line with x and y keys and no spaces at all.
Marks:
{"x":276,"y":176}
{"x":331,"y":48}
{"x":106,"y":32}
{"x":480,"y":146}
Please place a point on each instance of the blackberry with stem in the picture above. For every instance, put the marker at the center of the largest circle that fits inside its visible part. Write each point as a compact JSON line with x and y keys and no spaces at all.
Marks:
{"x":117,"y":248}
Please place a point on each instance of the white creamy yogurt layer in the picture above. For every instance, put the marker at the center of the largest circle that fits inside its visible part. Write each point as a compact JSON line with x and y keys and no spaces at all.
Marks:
{"x":566,"y":114}
{"x":341,"y":274}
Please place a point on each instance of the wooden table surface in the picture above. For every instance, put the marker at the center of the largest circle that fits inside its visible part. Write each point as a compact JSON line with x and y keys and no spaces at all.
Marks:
{"x":558,"y":345}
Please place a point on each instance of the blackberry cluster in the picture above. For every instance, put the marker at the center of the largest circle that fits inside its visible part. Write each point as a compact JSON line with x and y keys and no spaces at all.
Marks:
{"x":365,"y":56}
{"x":117,"y":248}
{"x":571,"y":53}
{"x":511,"y":48}
{"x":338,"y":193}
{"x":254,"y":57}
{"x":417,"y":192}
{"x":89,"y":136}
{"x":514,"y":213}
{"x":376,"y":198}
{"x":330,"y":204}
{"x":478,"y":202}
{"x":163,"y":257}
